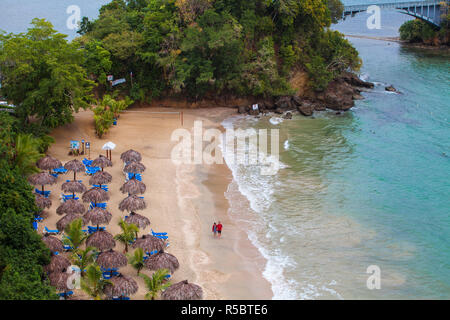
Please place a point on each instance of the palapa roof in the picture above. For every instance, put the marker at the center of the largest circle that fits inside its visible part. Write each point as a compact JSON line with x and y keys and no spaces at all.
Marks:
{"x":102,"y":240}
{"x":98,"y":215}
{"x":102,"y":162}
{"x":71,"y":206}
{"x":134,"y":167}
{"x":131,"y":155}
{"x":42,"y":202}
{"x":53,"y":243}
{"x":57,"y":263}
{"x":73,"y":186}
{"x":162,"y":260}
{"x":183,"y":291}
{"x":139,"y":220}
{"x":75,"y":166}
{"x":59,"y":280}
{"x":112,"y":259}
{"x":133,"y":186}
{"x":132,"y":203}
{"x":149,"y":243}
{"x":121,"y":286}
{"x":100,"y":177}
{"x":48,"y":163}
{"x":67,"y":219}
{"x":95,"y":195}
{"x":42,"y":178}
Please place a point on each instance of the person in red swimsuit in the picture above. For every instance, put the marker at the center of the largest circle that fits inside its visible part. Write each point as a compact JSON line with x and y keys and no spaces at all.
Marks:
{"x":219,"y":229}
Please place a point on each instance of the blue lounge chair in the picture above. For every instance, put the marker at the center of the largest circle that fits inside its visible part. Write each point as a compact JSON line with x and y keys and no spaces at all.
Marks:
{"x":56,"y":231}
{"x":92,"y":230}
{"x":45,"y":193}
{"x":38,"y":218}
{"x":66,"y":197}
{"x":103,"y":186}
{"x":54,"y":174}
{"x":135,"y":175}
{"x":92,"y":170}
{"x":162,"y":237}
{"x":60,"y":170}
{"x":86,"y":162}
{"x":152,"y":253}
{"x":100,"y":205}
{"x":80,"y":181}
{"x":158,"y":233}
{"x":35,"y":225}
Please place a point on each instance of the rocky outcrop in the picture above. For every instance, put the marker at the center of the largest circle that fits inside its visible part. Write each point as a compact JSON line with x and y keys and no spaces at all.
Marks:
{"x":391,"y":89}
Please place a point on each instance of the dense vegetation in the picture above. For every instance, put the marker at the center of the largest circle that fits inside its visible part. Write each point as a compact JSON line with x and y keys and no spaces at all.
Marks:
{"x":22,"y":253}
{"x":418,"y":31}
{"x":201,"y":47}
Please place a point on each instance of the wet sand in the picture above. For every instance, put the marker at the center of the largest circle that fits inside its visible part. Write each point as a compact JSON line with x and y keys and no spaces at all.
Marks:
{"x":183,"y":200}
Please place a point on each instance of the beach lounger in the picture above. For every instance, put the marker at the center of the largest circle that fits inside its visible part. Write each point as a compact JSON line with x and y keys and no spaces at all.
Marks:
{"x":151,"y":253}
{"x":35,"y":225}
{"x":92,"y":170}
{"x":86,"y":162}
{"x":38,"y":218}
{"x":80,"y":181}
{"x":54,"y":174}
{"x":60,"y":170}
{"x":45,"y":193}
{"x":162,"y":237}
{"x":100,"y":205}
{"x":66,"y":197}
{"x":94,"y":229}
{"x":103,"y":186}
{"x":158,"y":233}
{"x":55,"y":231}
{"x":131,"y":175}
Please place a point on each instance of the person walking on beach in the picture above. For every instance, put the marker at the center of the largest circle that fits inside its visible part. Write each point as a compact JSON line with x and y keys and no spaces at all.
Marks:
{"x":214,"y":229}
{"x":219,"y":229}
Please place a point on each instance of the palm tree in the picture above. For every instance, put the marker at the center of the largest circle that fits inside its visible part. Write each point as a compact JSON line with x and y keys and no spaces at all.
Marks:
{"x":83,"y":258}
{"x":156,"y":283}
{"x":93,"y":283}
{"x":137,"y":259}
{"x":127,"y":236}
{"x":26,"y":153}
{"x":74,"y":235}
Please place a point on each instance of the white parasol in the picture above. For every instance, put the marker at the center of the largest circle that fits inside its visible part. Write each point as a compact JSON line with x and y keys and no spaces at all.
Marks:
{"x":109,"y":146}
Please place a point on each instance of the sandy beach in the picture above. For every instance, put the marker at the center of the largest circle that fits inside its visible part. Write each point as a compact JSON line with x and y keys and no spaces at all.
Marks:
{"x":182,"y":200}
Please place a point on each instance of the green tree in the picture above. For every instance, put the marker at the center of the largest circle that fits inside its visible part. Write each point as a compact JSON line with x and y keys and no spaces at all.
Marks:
{"x":93,"y":283}
{"x":42,"y":75}
{"x":156,"y":283}
{"x":26,"y":153}
{"x":74,"y":235}
{"x":129,"y":233}
{"x":137,"y":259}
{"x":82,"y":258}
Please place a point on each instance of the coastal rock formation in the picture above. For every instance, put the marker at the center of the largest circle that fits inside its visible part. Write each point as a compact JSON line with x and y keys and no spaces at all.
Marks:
{"x":391,"y":89}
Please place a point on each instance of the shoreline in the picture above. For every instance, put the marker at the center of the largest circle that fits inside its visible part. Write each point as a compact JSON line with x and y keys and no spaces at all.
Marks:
{"x":182,"y":200}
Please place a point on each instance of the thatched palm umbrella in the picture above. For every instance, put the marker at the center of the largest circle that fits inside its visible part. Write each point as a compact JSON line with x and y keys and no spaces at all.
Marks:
{"x":138,"y":220}
{"x":59,"y":280}
{"x":133,"y":186}
{"x":100,"y":177}
{"x":75,"y":166}
{"x":53,"y":243}
{"x":132,"y":203}
{"x":58,"y":263}
{"x":42,"y":179}
{"x":183,"y":291}
{"x":102,"y":240}
{"x":71,"y":206}
{"x":42,"y":202}
{"x":95,"y":195}
{"x":67,"y":219}
{"x":98,"y":216}
{"x":131,"y":155}
{"x":102,"y":162}
{"x":149,"y":243}
{"x":48,"y":163}
{"x":73,"y":186}
{"x":112,"y":259}
{"x":162,"y":260}
{"x":121,"y":286}
{"x":134,"y":167}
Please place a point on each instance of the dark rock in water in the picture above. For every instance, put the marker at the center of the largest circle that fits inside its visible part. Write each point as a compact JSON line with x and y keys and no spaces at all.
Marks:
{"x":391,"y":89}
{"x":278,"y":111}
{"x":354,"y":80}
{"x":338,"y":113}
{"x":319,"y":107}
{"x":306,"y":109}
{"x":357,"y":96}
{"x":287,"y":115}
{"x":296,"y":100}
{"x":242,"y":109}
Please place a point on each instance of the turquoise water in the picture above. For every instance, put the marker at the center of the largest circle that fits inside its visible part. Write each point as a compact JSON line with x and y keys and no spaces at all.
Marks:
{"x":367,"y":187}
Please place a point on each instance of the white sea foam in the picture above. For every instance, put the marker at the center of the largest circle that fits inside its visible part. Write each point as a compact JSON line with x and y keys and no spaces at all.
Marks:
{"x":286,"y":145}
{"x":276,"y":120}
{"x":258,"y":190}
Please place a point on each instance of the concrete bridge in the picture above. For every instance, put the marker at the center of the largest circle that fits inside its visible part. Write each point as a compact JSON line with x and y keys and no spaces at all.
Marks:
{"x":427,"y":10}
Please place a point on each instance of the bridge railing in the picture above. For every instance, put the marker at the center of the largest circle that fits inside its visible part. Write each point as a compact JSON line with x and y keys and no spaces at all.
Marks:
{"x":391,"y":5}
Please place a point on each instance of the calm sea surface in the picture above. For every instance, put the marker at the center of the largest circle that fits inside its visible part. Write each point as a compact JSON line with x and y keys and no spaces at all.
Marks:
{"x":368,"y":187}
